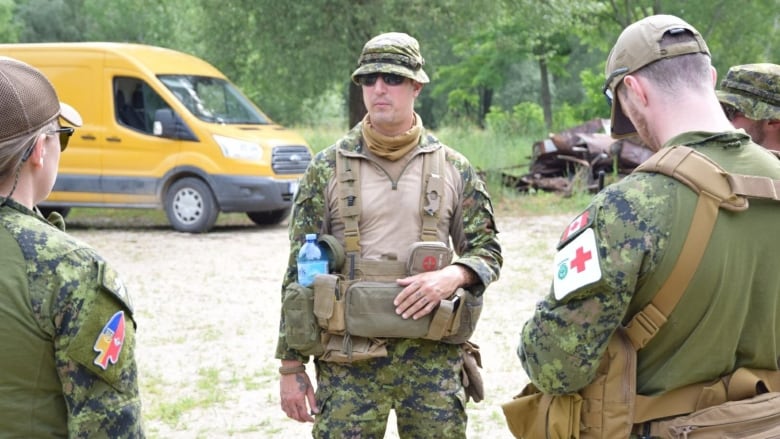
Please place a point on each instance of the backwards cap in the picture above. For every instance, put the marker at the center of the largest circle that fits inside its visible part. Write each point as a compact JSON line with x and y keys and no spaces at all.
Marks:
{"x":393,"y":52}
{"x":753,"y":89}
{"x":28,"y":101}
{"x":639,"y":45}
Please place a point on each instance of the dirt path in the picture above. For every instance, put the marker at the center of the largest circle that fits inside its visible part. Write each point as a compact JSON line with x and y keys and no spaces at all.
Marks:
{"x":208,"y":308}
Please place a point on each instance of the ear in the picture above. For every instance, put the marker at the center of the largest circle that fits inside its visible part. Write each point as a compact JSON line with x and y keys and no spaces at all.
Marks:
{"x":636,"y":86}
{"x":417,"y":86}
{"x":714,"y":74}
{"x":38,"y":152}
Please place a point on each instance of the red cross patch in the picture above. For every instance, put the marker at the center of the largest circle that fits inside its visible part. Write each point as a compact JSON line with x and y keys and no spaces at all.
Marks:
{"x":576,"y":265}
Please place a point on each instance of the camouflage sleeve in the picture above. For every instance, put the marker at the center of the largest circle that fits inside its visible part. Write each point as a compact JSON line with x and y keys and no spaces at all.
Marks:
{"x":308,"y":215}
{"x":475,"y":235}
{"x":94,"y":347}
{"x":562,"y":344}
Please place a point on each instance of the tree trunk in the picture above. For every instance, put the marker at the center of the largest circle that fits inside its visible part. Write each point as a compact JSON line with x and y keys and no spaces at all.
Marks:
{"x":545,"y":94}
{"x":357,"y":110}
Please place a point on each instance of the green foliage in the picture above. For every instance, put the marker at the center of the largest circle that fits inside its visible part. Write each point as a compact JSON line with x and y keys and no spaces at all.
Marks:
{"x":525,"y":120}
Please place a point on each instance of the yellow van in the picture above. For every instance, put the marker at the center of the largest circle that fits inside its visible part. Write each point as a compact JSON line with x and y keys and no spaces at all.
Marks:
{"x":163,"y":129}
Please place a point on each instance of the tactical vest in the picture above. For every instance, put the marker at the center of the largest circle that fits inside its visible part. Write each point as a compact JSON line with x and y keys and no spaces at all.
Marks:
{"x":609,"y":407}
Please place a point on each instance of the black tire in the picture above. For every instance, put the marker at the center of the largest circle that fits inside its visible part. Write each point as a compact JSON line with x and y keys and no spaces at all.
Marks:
{"x":190,"y":206}
{"x":270,"y":217}
{"x":64,"y":211}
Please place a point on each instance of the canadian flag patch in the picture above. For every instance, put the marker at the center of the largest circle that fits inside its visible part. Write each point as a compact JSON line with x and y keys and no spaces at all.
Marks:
{"x":585,"y":219}
{"x":576,"y":265}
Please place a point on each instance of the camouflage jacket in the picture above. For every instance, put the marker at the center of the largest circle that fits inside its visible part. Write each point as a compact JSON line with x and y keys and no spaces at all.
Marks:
{"x":613,"y":258}
{"x":470,"y":213}
{"x":67,"y":335}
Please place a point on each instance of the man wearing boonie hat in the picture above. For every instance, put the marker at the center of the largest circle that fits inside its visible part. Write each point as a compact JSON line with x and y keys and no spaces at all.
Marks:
{"x":67,"y":332}
{"x":377,"y":209}
{"x":615,"y":256}
{"x":750,"y":95}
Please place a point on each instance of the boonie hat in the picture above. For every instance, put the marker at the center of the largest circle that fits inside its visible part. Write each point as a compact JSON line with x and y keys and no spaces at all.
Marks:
{"x":639,"y":45}
{"x":28,"y":101}
{"x":393,"y":52}
{"x":753,"y":89}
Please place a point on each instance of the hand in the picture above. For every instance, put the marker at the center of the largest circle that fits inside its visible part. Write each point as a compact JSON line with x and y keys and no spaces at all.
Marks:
{"x":297,"y":395}
{"x":424,"y":291}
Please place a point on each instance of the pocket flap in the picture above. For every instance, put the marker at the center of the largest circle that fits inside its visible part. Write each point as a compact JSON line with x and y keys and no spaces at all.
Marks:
{"x":326,"y":291}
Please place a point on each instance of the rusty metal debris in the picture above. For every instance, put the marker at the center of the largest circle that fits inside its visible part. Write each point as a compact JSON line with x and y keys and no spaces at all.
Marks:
{"x":583,"y":157}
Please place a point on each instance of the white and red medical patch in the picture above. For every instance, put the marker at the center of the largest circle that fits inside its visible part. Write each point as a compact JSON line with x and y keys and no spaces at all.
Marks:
{"x":576,"y":264}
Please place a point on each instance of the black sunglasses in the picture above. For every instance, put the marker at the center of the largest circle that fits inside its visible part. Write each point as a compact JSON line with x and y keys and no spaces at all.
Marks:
{"x":607,"y":90}
{"x":65,"y":133}
{"x":388,"y":78}
{"x":731,"y":111}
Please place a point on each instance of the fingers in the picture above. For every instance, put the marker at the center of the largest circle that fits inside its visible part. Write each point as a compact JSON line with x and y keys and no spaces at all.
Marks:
{"x":296,"y":391}
{"x":416,"y":304}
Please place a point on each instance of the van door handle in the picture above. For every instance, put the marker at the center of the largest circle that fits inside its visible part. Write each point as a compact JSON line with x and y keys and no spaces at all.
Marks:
{"x":88,"y":137}
{"x":113,"y":139}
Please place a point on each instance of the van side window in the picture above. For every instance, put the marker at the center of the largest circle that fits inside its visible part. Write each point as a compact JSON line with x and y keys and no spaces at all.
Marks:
{"x":135,"y":103}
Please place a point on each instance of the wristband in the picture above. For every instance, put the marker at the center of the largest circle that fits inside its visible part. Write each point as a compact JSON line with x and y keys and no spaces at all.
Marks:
{"x":292,"y":370}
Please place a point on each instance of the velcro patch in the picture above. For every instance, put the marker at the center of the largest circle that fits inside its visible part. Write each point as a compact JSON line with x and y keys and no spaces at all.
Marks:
{"x":582,"y":222}
{"x":110,"y":341}
{"x":576,"y":264}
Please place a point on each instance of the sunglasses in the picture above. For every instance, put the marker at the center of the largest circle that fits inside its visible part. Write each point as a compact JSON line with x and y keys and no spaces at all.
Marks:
{"x":607,"y":90}
{"x":731,"y":111}
{"x":388,"y":78}
{"x":65,"y":133}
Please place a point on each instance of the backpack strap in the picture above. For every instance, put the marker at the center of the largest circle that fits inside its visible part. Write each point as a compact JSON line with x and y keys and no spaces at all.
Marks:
{"x":716,"y":189}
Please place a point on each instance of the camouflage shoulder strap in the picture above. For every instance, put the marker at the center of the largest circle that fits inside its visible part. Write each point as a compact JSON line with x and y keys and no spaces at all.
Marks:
{"x":348,"y":190}
{"x":716,"y":189}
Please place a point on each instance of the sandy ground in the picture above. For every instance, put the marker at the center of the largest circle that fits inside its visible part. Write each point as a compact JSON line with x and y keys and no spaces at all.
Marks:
{"x":207,"y":308}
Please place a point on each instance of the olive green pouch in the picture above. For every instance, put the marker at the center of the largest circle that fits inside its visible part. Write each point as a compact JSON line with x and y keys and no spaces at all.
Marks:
{"x":371,"y":313}
{"x":329,"y":303}
{"x":301,"y":329}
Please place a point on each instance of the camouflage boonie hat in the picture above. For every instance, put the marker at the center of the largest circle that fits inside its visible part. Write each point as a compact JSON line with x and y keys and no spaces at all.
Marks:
{"x":393,"y":52}
{"x":753,"y":89}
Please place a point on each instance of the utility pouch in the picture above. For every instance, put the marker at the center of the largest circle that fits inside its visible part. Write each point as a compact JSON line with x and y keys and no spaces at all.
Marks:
{"x":301,"y":329}
{"x":469,"y":308}
{"x":754,"y":418}
{"x":532,"y":414}
{"x":348,"y":349}
{"x":370,"y":312}
{"x":329,"y":303}
{"x":428,"y":256}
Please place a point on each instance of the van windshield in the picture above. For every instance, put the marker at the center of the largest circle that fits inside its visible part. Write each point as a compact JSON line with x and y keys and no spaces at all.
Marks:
{"x":213,"y":99}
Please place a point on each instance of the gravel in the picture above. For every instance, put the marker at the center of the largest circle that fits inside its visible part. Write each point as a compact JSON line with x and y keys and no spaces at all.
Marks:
{"x":207,"y":308}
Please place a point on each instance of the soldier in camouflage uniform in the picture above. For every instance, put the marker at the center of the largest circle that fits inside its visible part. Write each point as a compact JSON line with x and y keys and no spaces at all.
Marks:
{"x":67,"y":333}
{"x":420,"y":379}
{"x":613,"y":257}
{"x":750,"y":96}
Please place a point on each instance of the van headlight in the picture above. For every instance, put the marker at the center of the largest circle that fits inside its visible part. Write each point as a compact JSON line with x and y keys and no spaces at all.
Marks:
{"x":238,"y":149}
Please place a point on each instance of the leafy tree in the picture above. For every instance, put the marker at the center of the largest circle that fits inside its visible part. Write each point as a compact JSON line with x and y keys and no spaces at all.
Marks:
{"x":9,"y":31}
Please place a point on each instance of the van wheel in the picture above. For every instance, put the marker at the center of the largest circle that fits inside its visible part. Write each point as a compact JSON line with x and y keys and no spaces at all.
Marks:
{"x":268,"y":218}
{"x":190,"y":206}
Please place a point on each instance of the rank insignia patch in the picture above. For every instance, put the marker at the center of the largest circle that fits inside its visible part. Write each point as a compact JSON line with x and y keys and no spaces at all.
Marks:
{"x":109,"y":343}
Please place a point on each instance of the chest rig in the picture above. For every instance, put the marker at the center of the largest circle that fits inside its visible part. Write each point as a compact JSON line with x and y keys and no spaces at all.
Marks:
{"x":349,"y":203}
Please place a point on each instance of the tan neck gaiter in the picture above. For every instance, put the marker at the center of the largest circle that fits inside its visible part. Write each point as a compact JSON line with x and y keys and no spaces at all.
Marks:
{"x":392,"y":147}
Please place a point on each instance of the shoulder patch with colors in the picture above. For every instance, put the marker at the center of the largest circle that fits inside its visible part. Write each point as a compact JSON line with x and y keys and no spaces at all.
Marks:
{"x":582,"y":222}
{"x":110,"y":340}
{"x":576,"y":264}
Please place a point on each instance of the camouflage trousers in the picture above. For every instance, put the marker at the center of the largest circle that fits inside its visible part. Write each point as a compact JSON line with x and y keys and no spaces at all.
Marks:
{"x":419,"y":379}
